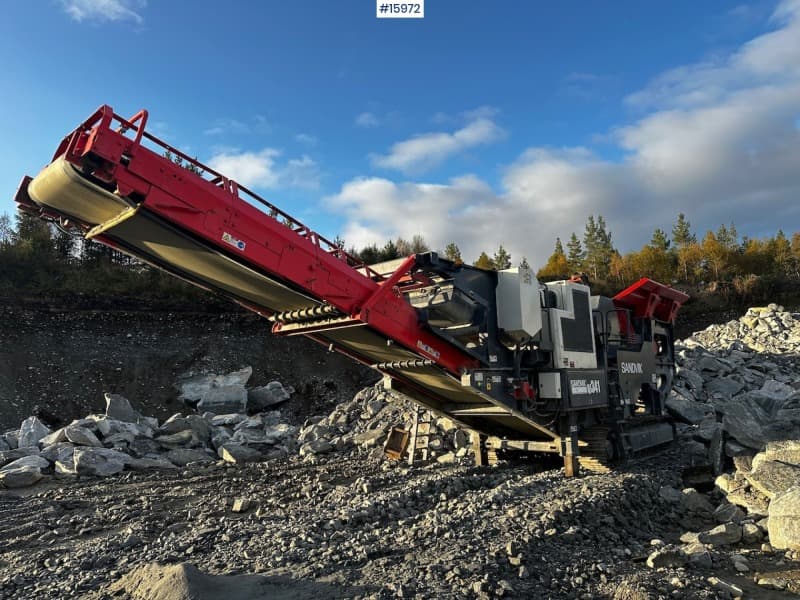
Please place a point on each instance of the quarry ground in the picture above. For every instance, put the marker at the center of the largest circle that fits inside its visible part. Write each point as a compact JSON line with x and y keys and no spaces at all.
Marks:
{"x":348,"y":524}
{"x":351,"y":525}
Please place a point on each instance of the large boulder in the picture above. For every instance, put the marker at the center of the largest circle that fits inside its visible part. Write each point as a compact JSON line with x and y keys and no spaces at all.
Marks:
{"x":688,"y":411}
{"x":119,"y":408}
{"x":784,"y":520}
{"x":31,"y":432}
{"x":772,"y":477}
{"x":236,"y":453}
{"x":224,"y":399}
{"x":98,"y":461}
{"x":261,"y":398}
{"x":81,"y":436}
{"x":20,"y":477}
{"x":195,"y":389}
{"x":722,"y":535}
{"x":34,"y":460}
{"x":7,"y":456}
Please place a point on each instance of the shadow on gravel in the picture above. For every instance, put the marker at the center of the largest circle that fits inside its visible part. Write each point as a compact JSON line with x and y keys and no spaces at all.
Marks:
{"x":184,"y":580}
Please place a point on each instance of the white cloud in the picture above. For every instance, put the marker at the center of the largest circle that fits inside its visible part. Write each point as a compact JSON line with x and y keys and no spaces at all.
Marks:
{"x":717,"y":140}
{"x":367,"y":119}
{"x":422,"y":152}
{"x":227,"y":126}
{"x":252,"y":169}
{"x":306,"y":138}
{"x":104,"y":10}
{"x":301,"y":172}
{"x":263,"y":169}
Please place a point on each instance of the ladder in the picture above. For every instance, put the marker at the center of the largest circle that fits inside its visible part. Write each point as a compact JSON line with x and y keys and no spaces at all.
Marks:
{"x":420,"y":436}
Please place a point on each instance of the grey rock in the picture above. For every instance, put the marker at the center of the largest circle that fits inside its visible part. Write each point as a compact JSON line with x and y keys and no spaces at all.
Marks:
{"x":734,"y":448}
{"x":219,"y":437}
{"x":461,"y":439}
{"x":697,"y":503}
{"x":185,"y":456}
{"x":272,"y":394}
{"x":728,"y":513}
{"x":59,"y":435}
{"x":224,"y":399}
{"x":318,"y":446}
{"x":199,"y":426}
{"x":751,"y":533}
{"x":235,"y":453}
{"x":11,"y":439}
{"x":20,"y":477}
{"x":186,"y":437}
{"x":81,"y":436}
{"x":722,"y":535}
{"x":175,"y":424}
{"x":119,"y":408}
{"x":667,"y":557}
{"x":784,"y":520}
{"x":692,"y":378}
{"x":687,"y":411}
{"x":241,"y":505}
{"x":34,"y":460}
{"x":369,"y":438}
{"x":771,"y":477}
{"x":7,"y":456}
{"x":31,"y":432}
{"x":727,"y":386}
{"x":698,"y":557}
{"x":744,"y":421}
{"x":108,"y":426}
{"x":62,"y":451}
{"x":787,"y":451}
{"x":143,"y":446}
{"x":4,"y":444}
{"x":229,"y":419}
{"x":123,"y":438}
{"x":101,"y":462}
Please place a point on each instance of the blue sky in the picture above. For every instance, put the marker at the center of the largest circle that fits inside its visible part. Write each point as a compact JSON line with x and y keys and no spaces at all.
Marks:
{"x":484,"y":122}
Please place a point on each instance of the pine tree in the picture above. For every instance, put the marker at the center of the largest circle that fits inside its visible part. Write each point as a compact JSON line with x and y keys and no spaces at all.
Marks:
{"x":484,"y":262}
{"x":403,"y":247}
{"x":389,"y":251}
{"x":599,"y":247}
{"x":419,"y":245}
{"x":682,"y":234}
{"x":502,"y":259}
{"x":659,"y":241}
{"x":452,"y":252}
{"x":6,"y":230}
{"x":524,"y":264}
{"x":556,"y":266}
{"x":576,"y":254}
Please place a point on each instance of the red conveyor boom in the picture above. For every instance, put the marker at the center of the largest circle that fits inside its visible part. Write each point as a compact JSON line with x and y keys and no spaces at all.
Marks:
{"x":218,"y":211}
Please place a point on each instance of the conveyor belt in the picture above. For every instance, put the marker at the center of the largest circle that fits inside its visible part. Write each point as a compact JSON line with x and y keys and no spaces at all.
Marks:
{"x":60,"y":188}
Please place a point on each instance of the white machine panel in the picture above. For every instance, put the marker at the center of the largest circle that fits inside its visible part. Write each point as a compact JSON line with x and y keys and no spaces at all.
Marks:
{"x":519,"y":309}
{"x":571,"y":326}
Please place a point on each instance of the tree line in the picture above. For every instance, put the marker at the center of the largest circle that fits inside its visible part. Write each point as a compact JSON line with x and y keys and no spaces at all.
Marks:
{"x":720,"y":256}
{"x":37,"y":257}
{"x":40,"y":259}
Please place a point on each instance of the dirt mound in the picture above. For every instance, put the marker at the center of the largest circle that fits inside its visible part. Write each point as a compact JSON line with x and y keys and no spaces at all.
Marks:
{"x":185,"y":581}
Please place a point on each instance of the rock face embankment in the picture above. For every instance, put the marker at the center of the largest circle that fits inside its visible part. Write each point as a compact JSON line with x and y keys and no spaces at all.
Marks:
{"x":63,"y":362}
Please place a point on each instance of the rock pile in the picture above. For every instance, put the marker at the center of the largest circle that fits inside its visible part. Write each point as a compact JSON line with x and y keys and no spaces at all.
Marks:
{"x":737,"y":393}
{"x":366,"y":421}
{"x":122,"y":439}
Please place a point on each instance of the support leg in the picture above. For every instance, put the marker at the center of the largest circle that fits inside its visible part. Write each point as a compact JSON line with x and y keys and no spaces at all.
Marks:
{"x":479,"y":449}
{"x":569,"y":445}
